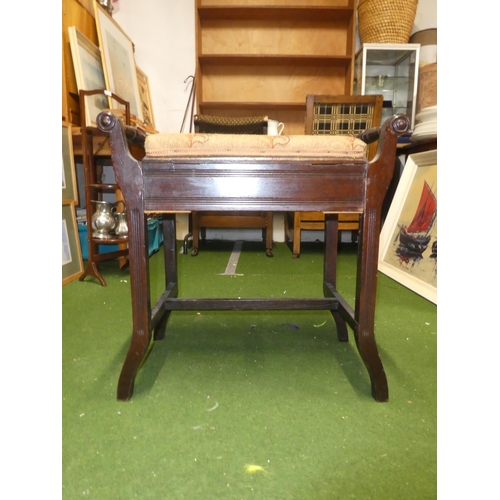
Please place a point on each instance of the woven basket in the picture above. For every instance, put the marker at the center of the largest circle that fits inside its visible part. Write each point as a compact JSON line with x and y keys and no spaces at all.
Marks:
{"x":386,"y":21}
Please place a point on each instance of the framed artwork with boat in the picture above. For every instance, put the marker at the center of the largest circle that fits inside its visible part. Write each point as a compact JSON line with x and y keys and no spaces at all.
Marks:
{"x":408,"y":240}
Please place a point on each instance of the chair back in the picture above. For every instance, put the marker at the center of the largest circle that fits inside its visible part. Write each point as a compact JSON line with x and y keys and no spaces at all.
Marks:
{"x":343,"y":114}
{"x":209,"y":124}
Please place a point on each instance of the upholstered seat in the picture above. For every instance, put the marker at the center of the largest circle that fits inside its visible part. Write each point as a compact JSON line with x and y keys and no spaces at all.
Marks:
{"x":281,"y":146}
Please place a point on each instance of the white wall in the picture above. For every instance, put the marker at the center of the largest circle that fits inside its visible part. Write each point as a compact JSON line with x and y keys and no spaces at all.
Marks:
{"x":163,"y":32}
{"x":426,"y":16}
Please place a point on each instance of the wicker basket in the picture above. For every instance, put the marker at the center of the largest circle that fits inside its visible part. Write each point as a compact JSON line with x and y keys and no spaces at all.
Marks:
{"x":386,"y":21}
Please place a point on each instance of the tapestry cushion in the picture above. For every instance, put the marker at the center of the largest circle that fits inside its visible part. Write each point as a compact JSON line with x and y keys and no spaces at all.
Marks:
{"x":243,"y":145}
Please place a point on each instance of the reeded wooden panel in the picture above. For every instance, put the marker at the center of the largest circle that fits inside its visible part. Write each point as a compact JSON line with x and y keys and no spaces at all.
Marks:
{"x":273,"y":84}
{"x":271,"y":37}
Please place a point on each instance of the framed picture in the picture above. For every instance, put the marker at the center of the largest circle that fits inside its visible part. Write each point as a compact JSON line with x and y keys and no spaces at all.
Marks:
{"x":147,"y":107}
{"x":65,"y":107}
{"x":117,"y":51}
{"x":72,"y":264}
{"x":89,"y":73}
{"x":408,"y":240}
{"x":69,"y":187}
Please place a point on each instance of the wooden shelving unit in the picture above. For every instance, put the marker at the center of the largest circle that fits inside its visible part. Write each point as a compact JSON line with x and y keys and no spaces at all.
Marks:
{"x":262,"y":57}
{"x":94,"y":190}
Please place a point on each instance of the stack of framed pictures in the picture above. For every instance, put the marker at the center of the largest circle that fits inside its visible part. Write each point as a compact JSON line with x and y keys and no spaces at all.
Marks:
{"x":72,"y":264}
{"x":111,"y":67}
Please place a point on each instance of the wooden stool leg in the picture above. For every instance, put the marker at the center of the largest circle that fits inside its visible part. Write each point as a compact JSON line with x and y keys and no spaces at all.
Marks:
{"x":330,"y":270}
{"x":171,"y":278}
{"x":141,"y":303}
{"x":195,"y":223}
{"x":296,"y":235}
{"x":366,"y":289}
{"x":269,"y":234}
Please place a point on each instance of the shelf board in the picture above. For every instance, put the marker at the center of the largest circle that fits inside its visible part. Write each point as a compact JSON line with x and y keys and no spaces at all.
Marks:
{"x":232,"y":105}
{"x":110,"y":241}
{"x":273,"y":60}
{"x":275,"y":13}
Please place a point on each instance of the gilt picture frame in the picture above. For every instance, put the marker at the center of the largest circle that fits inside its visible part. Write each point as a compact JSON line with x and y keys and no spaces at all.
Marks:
{"x":144,"y":92}
{"x":117,"y":52}
{"x":69,"y":185}
{"x":72,"y":263}
{"x":408,"y":240}
{"x":89,"y":74}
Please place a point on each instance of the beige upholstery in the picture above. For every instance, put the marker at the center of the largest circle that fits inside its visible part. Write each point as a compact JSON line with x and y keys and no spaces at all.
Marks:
{"x":220,"y":145}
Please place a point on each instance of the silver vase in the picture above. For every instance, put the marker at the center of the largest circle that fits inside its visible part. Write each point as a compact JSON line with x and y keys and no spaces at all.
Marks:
{"x":121,"y":228}
{"x":103,"y":220}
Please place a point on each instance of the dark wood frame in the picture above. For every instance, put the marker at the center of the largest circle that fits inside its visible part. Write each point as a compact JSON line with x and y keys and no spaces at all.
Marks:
{"x":333,"y":185}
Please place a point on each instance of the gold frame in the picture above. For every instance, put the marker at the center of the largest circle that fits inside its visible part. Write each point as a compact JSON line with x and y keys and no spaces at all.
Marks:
{"x":144,"y":92}
{"x":120,"y":74}
{"x":72,"y":263}
{"x":88,"y":67}
{"x":69,"y":185}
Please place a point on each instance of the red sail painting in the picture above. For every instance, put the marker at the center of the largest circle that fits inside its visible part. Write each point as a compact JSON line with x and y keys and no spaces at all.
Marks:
{"x":414,"y":238}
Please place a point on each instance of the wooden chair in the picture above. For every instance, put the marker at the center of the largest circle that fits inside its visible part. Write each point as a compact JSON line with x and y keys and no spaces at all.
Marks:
{"x":200,"y":221}
{"x":329,"y":114}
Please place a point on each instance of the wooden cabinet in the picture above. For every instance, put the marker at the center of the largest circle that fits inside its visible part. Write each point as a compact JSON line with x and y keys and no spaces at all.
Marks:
{"x":262,"y":57}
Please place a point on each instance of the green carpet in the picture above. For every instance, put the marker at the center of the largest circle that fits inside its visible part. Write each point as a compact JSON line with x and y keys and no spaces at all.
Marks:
{"x":226,"y":390}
